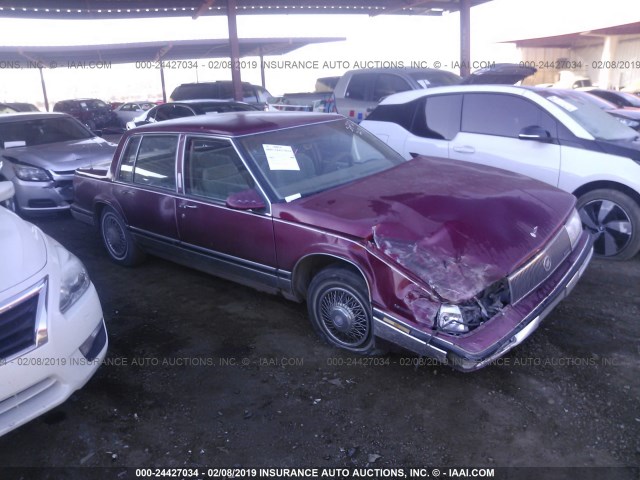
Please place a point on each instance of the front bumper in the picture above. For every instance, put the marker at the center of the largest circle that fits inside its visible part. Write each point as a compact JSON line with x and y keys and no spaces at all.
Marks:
{"x":42,"y":378}
{"x":52,"y":196}
{"x":499,"y":335}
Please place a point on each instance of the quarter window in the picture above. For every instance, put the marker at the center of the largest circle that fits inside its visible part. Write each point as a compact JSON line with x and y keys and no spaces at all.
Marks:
{"x":214,"y":170}
{"x":129,"y":159}
{"x":502,"y":115}
{"x":440,"y":117}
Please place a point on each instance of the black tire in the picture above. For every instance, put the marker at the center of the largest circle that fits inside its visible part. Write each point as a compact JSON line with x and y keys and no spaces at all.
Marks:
{"x":117,"y":239}
{"x":340,"y":311}
{"x":613,"y":219}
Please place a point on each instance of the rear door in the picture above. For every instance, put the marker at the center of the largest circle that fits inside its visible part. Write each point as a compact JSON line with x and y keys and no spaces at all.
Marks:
{"x":489,"y":134}
{"x":145,"y":186}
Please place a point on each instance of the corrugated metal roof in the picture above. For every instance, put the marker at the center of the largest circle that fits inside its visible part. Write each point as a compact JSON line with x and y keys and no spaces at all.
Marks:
{"x":103,"y":9}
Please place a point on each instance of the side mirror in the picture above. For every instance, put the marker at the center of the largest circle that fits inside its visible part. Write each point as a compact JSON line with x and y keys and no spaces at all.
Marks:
{"x":245,"y":200}
{"x":534,"y":132}
{"x":6,"y":191}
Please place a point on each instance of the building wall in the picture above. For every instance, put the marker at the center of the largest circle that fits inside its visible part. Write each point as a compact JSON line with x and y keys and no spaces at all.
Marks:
{"x":586,"y":60}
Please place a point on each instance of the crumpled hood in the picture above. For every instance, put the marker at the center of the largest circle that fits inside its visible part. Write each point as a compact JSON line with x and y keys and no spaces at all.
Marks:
{"x":64,"y":156}
{"x":23,"y":252}
{"x":457,"y":226}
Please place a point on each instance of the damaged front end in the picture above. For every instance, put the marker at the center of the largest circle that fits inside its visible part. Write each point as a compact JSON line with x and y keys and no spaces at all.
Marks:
{"x":466,"y":316}
{"x":467,"y":312}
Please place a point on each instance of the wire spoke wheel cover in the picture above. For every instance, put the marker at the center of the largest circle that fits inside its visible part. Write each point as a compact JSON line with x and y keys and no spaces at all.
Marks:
{"x":340,"y":310}
{"x":117,"y":240}
{"x":114,"y":236}
{"x":344,"y":317}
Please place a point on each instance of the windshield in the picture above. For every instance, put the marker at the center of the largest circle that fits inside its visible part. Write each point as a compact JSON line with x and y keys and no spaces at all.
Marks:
{"x":42,"y":131}
{"x":300,"y":161}
{"x":598,"y":123}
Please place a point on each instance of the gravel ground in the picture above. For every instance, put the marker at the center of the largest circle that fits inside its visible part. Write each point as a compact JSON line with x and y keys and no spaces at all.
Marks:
{"x":204,"y":373}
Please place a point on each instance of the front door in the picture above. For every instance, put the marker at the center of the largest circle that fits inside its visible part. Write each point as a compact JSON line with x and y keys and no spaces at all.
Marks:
{"x":235,"y":244}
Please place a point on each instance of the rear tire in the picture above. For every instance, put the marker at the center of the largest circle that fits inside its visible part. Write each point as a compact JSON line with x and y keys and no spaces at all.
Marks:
{"x":613,"y":219}
{"x":340,"y":311}
{"x":117,"y":240}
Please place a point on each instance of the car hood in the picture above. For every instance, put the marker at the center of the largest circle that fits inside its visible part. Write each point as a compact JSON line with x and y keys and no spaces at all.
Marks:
{"x":456,"y":226}
{"x":499,"y":73}
{"x":64,"y":156}
{"x":23,"y":250}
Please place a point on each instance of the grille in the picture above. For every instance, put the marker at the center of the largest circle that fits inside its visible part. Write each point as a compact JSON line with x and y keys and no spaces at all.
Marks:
{"x":536,"y":271}
{"x":19,"y":324}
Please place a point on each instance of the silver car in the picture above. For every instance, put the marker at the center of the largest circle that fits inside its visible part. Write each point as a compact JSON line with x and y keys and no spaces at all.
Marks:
{"x":40,"y":153}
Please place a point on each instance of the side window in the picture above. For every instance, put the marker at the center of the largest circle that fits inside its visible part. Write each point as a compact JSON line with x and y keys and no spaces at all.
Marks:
{"x":156,"y":161}
{"x":440,"y":117}
{"x":213,"y":169}
{"x":248,"y":95}
{"x":388,"y":84}
{"x":163,"y":112}
{"x":125,"y":174}
{"x":502,"y":115}
{"x":179,"y":111}
{"x":357,"y":88}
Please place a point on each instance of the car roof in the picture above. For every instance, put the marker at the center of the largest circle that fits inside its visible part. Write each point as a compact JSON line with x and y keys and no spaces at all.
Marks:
{"x":234,"y":124}
{"x":411,"y":95}
{"x":15,"y":117}
{"x":208,"y":101}
{"x":401,"y":70}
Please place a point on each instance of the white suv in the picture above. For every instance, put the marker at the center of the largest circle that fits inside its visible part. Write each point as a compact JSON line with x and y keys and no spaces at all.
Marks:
{"x":551,"y":135}
{"x":52,"y":334}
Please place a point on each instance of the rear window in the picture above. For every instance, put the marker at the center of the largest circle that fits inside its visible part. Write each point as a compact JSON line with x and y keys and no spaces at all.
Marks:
{"x":195,"y":90}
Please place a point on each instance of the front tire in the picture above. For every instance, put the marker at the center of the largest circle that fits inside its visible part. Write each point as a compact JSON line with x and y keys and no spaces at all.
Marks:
{"x":613,"y":219}
{"x":340,"y":311}
{"x":117,"y":239}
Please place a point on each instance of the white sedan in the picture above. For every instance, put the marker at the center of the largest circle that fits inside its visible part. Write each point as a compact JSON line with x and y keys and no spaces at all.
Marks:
{"x":52,"y":333}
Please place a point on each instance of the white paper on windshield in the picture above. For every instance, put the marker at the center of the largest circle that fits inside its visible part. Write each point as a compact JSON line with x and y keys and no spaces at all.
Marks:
{"x":17,"y":143}
{"x":563,"y":103}
{"x":281,"y":157}
{"x":293,"y":197}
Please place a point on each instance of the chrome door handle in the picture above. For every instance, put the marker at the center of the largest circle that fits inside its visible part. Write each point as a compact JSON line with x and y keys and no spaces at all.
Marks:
{"x":188,"y":205}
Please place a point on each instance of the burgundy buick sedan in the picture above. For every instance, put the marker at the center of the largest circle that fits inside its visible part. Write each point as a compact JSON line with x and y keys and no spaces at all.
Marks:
{"x":454,"y":261}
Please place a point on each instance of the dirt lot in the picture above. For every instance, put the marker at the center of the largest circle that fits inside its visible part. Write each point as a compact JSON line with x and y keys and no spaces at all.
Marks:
{"x":201,"y":372}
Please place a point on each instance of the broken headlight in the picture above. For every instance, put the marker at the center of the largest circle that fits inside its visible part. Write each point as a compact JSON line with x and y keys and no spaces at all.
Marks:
{"x":450,"y":319}
{"x":466,"y":316}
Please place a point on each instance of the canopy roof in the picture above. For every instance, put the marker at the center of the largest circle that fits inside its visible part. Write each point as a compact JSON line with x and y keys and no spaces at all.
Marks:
{"x":154,"y":51}
{"x":103,"y":9}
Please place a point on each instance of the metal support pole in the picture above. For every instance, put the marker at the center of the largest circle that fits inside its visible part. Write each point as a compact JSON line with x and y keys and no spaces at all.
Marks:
{"x":465,"y":37}
{"x":235,"y":50}
{"x":44,"y":90}
{"x":164,"y":89}
{"x":264,"y":84}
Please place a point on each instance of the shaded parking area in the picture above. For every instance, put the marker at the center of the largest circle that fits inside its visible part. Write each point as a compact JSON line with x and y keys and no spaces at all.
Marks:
{"x":202,"y":372}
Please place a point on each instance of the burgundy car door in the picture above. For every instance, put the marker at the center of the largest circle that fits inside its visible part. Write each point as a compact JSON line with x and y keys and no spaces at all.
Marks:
{"x":235,"y":244}
{"x":145,"y":187}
